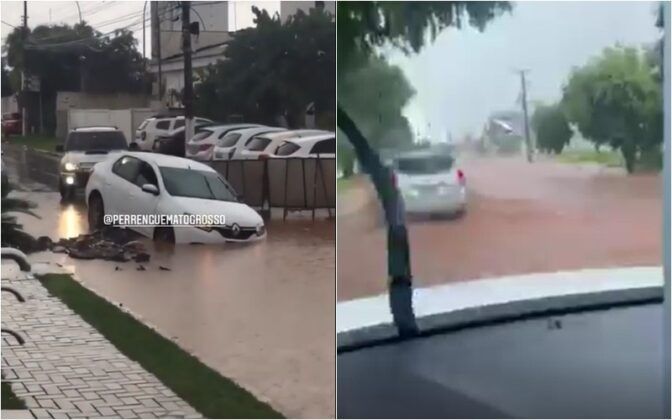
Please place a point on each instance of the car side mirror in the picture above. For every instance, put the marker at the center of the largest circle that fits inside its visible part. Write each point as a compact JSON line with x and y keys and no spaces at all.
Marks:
{"x":59,"y":148}
{"x":151,"y":189}
{"x":133,"y":147}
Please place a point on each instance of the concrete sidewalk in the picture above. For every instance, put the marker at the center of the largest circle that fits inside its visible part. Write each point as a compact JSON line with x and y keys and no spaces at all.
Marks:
{"x":66,"y":369}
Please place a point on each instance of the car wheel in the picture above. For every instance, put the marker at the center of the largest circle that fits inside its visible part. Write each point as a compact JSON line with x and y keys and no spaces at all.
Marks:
{"x":96,"y":212}
{"x":164,"y":234}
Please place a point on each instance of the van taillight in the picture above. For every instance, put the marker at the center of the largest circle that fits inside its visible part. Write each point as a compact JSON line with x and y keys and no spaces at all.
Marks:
{"x":460,"y":177}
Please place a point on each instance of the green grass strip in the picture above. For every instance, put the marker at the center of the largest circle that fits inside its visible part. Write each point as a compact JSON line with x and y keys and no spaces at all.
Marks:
{"x":9,"y":400}
{"x":203,"y":388}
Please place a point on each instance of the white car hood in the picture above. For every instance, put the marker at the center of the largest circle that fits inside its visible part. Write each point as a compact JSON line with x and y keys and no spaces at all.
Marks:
{"x":239,"y":213}
{"x":82,"y":157}
{"x":371,"y":311}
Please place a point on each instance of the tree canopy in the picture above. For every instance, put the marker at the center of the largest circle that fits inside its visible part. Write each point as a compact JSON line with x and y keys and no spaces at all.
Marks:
{"x":616,"y":99}
{"x":275,"y":69}
{"x":552,"y":128}
{"x":375,"y":96}
{"x":365,"y":25}
{"x":77,"y":58}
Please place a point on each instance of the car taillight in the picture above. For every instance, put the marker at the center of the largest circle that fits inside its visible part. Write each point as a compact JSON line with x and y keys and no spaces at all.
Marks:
{"x":460,"y":177}
{"x":263,"y":156}
{"x":143,"y":135}
{"x":393,"y":179}
{"x":203,"y":147}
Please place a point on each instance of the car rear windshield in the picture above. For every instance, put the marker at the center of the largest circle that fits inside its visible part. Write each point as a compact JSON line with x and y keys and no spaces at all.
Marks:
{"x":182,"y":182}
{"x":201,"y":135}
{"x":424,"y":165}
{"x":229,"y":140}
{"x":95,"y":140}
{"x":257,"y":144}
{"x":287,"y":148}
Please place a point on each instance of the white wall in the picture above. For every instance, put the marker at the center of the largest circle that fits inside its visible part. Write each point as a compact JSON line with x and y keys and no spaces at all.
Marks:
{"x":127,"y":120}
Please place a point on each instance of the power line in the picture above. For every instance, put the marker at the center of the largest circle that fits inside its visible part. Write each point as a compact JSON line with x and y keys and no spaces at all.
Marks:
{"x":9,"y":24}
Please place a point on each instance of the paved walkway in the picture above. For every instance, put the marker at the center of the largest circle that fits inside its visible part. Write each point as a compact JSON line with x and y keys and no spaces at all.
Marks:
{"x":66,"y":369}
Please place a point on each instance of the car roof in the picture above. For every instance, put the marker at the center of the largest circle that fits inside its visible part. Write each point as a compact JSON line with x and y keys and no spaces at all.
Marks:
{"x":94,"y":128}
{"x":289,"y":134}
{"x":421,"y":154}
{"x":252,"y":131}
{"x":221,"y":127}
{"x":312,"y":139}
{"x":170,"y":161}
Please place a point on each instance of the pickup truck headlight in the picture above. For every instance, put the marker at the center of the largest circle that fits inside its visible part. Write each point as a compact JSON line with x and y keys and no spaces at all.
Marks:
{"x":70,"y":167}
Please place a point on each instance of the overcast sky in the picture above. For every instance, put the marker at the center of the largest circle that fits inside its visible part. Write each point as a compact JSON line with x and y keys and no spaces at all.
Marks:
{"x":106,"y":16}
{"x":465,"y":75}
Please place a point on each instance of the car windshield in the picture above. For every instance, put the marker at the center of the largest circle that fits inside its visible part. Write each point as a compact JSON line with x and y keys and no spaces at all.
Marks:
{"x":424,"y":165}
{"x":192,"y":183}
{"x":537,"y":162}
{"x":143,"y":125}
{"x":95,"y":140}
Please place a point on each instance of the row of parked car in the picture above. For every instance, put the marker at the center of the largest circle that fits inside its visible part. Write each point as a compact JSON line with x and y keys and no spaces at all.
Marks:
{"x":215,"y":142}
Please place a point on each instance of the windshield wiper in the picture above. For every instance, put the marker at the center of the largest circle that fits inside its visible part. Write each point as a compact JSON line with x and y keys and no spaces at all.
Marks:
{"x":398,"y":251}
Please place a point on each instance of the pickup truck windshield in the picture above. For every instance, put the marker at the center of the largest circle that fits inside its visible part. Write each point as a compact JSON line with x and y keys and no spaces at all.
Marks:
{"x":95,"y":140}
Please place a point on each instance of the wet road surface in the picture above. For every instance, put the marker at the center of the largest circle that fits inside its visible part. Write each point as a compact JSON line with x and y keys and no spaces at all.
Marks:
{"x":521,"y":218}
{"x":261,"y":314}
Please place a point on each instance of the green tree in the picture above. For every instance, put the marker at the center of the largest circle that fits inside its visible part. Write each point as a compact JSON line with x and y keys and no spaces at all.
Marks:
{"x":551,"y":127}
{"x":364,"y":26}
{"x":6,"y":84}
{"x":616,"y":100}
{"x":275,"y":69}
{"x":75,"y":58}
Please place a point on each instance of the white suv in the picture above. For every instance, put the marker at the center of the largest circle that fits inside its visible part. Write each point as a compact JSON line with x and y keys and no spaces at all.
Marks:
{"x":83,"y":148}
{"x":151,"y":128}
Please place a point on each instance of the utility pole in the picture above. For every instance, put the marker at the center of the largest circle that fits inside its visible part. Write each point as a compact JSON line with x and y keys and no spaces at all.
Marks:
{"x":144,"y":21}
{"x":528,"y":141}
{"x":188,"y":91}
{"x":157,"y":36}
{"x":24,"y":35}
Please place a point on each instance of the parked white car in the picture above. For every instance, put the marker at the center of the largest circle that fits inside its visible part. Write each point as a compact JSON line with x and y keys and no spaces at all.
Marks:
{"x":430,"y":182}
{"x":139,"y":183}
{"x":152,"y":127}
{"x":83,"y":148}
{"x":201,"y":146}
{"x":264,"y":145}
{"x":323,"y":145}
{"x":230,"y":146}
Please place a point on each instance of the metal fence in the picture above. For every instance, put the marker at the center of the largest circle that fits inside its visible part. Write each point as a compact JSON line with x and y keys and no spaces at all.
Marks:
{"x":291,"y":184}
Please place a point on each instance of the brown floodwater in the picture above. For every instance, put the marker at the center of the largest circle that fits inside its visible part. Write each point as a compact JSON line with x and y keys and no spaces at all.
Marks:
{"x":521,"y":218}
{"x":261,"y":314}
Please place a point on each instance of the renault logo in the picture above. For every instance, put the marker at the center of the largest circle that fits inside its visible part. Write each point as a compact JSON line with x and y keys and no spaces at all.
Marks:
{"x":235,"y":229}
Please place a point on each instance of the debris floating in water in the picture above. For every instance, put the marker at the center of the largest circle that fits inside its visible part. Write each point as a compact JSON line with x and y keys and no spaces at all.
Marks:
{"x":109,"y":244}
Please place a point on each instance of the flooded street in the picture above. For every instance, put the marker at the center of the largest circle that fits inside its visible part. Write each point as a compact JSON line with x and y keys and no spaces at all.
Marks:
{"x":258,"y":314}
{"x":521,"y":218}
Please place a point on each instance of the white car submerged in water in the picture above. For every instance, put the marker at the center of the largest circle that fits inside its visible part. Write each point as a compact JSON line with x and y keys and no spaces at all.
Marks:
{"x":139,"y":183}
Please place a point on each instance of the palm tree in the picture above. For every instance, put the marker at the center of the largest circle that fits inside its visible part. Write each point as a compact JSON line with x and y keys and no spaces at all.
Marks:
{"x":13,"y":234}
